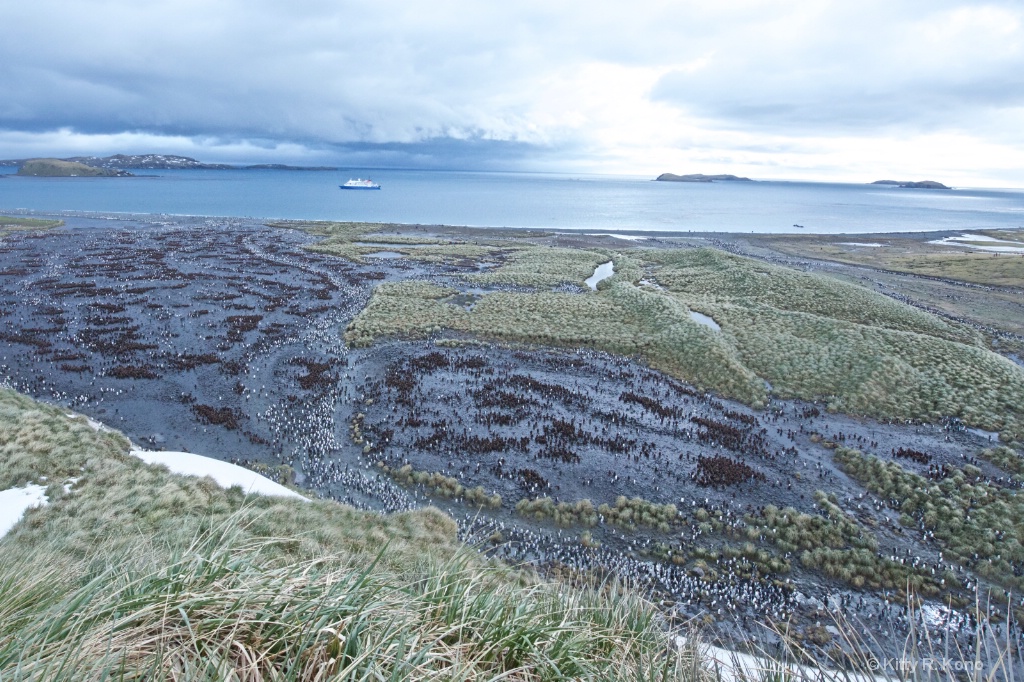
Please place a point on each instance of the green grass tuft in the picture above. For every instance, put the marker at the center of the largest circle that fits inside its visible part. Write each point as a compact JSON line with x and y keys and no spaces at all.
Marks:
{"x":140,"y":574}
{"x":808,"y":336}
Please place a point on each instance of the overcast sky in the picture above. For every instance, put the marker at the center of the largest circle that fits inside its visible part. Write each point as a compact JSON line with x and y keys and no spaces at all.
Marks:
{"x":847,"y":90}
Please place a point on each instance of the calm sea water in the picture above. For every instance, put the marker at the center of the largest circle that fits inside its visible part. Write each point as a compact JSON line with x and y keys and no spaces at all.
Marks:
{"x":525,"y":200}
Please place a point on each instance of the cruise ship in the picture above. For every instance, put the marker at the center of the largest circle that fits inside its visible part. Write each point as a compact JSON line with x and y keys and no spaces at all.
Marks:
{"x":359,"y":183}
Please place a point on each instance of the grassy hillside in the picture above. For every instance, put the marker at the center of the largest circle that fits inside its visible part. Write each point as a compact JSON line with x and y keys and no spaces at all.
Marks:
{"x":913,"y":256}
{"x":808,"y":336}
{"x":50,"y":168}
{"x":139,"y":574}
{"x":9,"y":224}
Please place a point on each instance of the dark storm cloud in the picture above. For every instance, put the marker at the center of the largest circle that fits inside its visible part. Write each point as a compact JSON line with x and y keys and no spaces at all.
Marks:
{"x":501,"y":84}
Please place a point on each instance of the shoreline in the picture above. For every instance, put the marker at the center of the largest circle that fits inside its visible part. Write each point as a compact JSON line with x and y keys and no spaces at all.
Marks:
{"x":240,"y":353}
{"x":484,"y":230}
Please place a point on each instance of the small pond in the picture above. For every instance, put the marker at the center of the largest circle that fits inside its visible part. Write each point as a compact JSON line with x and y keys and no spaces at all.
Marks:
{"x":701,"y":318}
{"x":602,"y":271}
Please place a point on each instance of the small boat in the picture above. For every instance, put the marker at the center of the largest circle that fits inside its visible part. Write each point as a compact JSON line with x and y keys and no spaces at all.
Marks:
{"x":359,"y":183}
{"x":795,"y":225}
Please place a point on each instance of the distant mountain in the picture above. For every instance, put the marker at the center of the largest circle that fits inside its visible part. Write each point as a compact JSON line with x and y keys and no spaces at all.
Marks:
{"x":700,"y":177}
{"x":58,"y":168}
{"x":281,"y":166}
{"x":922,"y":184}
{"x":146,"y":162}
{"x":164,"y":162}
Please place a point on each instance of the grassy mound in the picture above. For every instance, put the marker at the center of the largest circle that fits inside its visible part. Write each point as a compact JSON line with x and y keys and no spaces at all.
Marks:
{"x":808,"y":336}
{"x":916,"y":257}
{"x":979,"y":524}
{"x":20,"y":223}
{"x":137,"y":573}
{"x":55,"y":168}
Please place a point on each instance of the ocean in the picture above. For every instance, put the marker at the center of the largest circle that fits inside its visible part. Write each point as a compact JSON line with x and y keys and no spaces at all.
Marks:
{"x":528,"y":200}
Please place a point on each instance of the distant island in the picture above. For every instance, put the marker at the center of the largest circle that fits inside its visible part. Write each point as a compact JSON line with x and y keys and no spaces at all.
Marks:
{"x":700,"y":177}
{"x":120,"y":162}
{"x":58,"y":168}
{"x":922,"y":184}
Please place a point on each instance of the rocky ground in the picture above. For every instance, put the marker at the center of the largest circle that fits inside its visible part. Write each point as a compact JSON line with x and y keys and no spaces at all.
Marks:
{"x":223,"y":337}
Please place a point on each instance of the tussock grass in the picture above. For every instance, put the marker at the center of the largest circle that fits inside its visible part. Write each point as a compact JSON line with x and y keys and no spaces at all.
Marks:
{"x":627,"y":513}
{"x":810,"y":337}
{"x":544,"y":266}
{"x":921,"y":656}
{"x":836,"y":545}
{"x":723,"y":276}
{"x":632,"y":512}
{"x":792,"y":530}
{"x":979,"y":524}
{"x":332,"y":231}
{"x":340,"y":239}
{"x":442,"y":253}
{"x":38,"y":440}
{"x":442,"y":486}
{"x":17,"y":223}
{"x":1006,"y":459}
{"x":217,"y":608}
{"x":621,"y":319}
{"x":915,"y":257}
{"x":565,"y":514}
{"x":140,"y":574}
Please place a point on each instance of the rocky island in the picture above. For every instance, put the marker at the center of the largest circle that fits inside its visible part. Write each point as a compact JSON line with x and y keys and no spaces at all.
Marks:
{"x":922,"y":184}
{"x":700,"y":177}
{"x":120,"y":162}
{"x":56,"y":168}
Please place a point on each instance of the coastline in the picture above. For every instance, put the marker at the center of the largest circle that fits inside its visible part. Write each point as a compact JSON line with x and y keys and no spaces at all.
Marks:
{"x":494,"y":230}
{"x":285,"y":389}
{"x":523,"y":201}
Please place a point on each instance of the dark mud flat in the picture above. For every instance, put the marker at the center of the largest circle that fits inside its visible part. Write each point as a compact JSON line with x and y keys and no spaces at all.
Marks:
{"x":186,"y":334}
{"x":224,"y":337}
{"x":582,"y":425}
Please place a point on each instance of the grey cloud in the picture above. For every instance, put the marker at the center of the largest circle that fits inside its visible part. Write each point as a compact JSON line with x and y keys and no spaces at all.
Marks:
{"x":839,"y":102}
{"x":455,"y":82}
{"x":866,"y":69}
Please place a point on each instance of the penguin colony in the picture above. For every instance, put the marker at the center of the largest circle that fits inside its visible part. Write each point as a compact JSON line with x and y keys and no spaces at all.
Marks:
{"x":224,"y":337}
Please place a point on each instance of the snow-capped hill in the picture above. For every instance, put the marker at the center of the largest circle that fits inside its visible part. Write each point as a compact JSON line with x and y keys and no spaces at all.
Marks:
{"x":147,"y":162}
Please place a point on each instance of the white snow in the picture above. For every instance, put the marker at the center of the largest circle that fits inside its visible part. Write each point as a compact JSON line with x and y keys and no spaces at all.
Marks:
{"x":733,"y":666}
{"x":225,"y":473}
{"x":16,"y":501}
{"x":991,"y":243}
{"x":868,"y":244}
{"x":603,"y":271}
{"x":96,"y":426}
{"x":629,"y":237}
{"x":978,"y":238}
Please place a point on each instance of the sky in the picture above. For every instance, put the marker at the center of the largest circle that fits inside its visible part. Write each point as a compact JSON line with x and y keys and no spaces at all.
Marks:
{"x":803,"y":89}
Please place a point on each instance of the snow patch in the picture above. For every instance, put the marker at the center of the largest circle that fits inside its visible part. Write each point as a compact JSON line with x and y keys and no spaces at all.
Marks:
{"x":991,"y":243}
{"x":224,"y":473}
{"x":16,"y":501}
{"x":734,"y":666}
{"x":628,"y":237}
{"x":95,"y":425}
